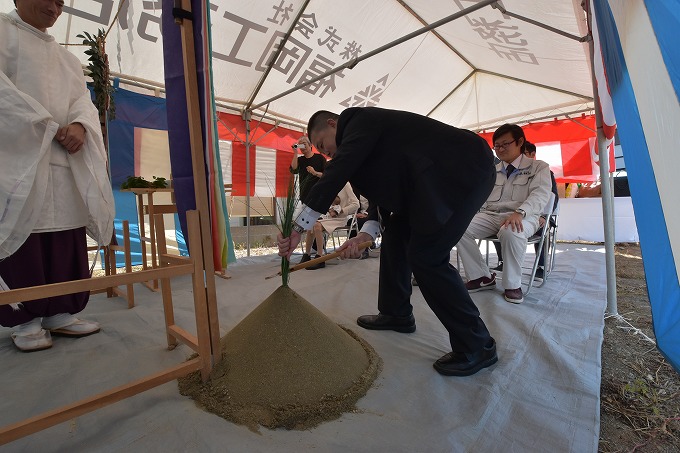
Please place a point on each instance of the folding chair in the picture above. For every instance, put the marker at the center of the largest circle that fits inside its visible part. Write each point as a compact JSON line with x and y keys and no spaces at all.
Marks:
{"x":549,"y":262}
{"x":347,"y":229}
{"x":543,"y":239}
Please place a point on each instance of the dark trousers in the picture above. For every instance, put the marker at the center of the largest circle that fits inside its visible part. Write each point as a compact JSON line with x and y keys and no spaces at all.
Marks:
{"x":45,"y":258}
{"x":403,"y":251}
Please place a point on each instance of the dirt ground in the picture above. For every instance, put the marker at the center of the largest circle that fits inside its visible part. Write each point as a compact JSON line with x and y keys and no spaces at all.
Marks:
{"x":640,"y":391}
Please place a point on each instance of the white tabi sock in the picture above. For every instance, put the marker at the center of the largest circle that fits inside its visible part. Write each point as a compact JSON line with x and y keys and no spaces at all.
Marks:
{"x":58,"y":321}
{"x":31,"y":327}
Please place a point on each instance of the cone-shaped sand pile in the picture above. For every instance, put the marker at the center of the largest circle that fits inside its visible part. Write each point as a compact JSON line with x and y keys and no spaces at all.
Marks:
{"x":286,"y":365}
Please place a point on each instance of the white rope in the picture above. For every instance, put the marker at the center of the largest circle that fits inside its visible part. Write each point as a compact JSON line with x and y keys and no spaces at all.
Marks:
{"x":629,"y":327}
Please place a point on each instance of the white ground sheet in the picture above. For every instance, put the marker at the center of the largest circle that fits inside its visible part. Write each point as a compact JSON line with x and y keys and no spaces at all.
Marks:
{"x":542,"y":395}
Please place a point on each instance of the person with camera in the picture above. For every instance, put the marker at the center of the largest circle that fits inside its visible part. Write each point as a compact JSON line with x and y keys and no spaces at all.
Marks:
{"x":309,"y":167}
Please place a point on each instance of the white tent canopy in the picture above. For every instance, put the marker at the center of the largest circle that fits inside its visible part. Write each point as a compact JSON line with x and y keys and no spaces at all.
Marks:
{"x":477,"y":71}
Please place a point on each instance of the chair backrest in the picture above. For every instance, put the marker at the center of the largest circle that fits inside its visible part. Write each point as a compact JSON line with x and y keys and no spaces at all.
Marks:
{"x":547,"y":213}
{"x":548,"y":208}
{"x":353,"y":224}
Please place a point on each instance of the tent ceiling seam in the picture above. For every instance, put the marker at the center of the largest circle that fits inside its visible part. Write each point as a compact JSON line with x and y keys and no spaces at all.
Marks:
{"x":270,"y":63}
{"x":436,"y":33}
{"x":352,"y":63}
{"x":504,"y":11}
{"x":451,"y":92}
{"x":496,"y":122}
{"x":536,"y":84}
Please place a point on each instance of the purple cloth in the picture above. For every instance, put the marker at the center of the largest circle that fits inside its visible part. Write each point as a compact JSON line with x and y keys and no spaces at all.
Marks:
{"x":45,"y":258}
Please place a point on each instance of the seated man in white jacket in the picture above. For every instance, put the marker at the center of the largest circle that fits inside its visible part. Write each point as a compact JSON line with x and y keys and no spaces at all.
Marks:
{"x":511,"y":212}
{"x":349,"y":204}
{"x":53,"y":178}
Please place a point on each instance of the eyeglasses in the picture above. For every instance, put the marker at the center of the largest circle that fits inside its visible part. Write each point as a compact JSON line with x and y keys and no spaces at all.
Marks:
{"x":499,"y":146}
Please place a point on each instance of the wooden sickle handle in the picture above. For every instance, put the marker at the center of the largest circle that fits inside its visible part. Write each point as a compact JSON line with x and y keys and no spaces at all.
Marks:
{"x":320,"y":259}
{"x":326,"y":257}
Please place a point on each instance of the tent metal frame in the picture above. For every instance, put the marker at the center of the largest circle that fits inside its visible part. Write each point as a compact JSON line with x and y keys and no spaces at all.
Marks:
{"x":249,"y":107}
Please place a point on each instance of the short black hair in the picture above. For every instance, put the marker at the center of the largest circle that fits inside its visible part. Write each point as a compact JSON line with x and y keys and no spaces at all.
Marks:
{"x":513,"y":129}
{"x":318,"y":120}
{"x":529,"y":147}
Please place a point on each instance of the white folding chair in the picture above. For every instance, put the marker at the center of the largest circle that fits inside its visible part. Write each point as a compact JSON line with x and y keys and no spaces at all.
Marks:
{"x":346,"y":230}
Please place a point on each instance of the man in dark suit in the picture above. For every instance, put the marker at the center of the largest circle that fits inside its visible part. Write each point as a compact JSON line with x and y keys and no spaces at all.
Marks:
{"x":424,"y":181}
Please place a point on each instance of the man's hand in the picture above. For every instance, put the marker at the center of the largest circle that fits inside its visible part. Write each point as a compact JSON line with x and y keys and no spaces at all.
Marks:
{"x":313,"y":172}
{"x":514,"y":221}
{"x":288,"y":245}
{"x":350,"y":249}
{"x":541,"y":221}
{"x":71,"y":137}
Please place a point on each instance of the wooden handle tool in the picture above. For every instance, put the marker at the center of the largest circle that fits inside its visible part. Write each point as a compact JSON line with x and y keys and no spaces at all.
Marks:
{"x":318,"y":260}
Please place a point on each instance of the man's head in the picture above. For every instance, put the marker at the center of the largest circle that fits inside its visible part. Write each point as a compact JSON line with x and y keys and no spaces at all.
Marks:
{"x":321,"y":131}
{"x":508,"y":142}
{"x":530,"y":150}
{"x":41,"y":14}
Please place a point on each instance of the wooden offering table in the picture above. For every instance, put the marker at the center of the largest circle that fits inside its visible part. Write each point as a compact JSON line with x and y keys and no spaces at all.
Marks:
{"x":146,"y":209}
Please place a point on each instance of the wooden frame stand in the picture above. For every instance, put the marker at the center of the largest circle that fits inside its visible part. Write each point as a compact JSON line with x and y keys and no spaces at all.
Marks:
{"x":149,"y":209}
{"x":202,"y":343}
{"x":129,"y":293}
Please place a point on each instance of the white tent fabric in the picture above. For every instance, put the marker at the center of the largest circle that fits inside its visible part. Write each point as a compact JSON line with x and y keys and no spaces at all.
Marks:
{"x":541,"y":396}
{"x":476,"y":72}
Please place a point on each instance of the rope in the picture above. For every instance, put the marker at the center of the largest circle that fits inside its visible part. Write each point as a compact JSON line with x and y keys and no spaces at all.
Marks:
{"x":115,"y":18}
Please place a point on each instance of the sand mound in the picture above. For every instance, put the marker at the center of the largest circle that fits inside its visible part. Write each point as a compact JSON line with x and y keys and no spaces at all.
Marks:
{"x":286,"y":365}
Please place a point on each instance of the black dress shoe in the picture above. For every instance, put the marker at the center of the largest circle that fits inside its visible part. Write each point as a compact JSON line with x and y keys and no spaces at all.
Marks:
{"x":540,"y":272}
{"x":403,"y":324}
{"x":305,"y":258}
{"x":320,"y":265}
{"x":465,"y":364}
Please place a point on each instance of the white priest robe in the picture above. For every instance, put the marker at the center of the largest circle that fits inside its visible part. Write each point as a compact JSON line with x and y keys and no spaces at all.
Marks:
{"x":42,"y":186}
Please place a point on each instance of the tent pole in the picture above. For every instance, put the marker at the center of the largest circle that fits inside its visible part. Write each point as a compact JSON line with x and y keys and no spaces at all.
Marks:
{"x":246,"y":118}
{"x":607,"y":193}
{"x":354,"y":61}
{"x":505,"y":12}
{"x":199,"y":174}
{"x":279,"y":49}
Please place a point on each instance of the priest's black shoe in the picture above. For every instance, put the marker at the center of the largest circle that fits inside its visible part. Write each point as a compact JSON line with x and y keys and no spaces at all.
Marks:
{"x":403,"y":324}
{"x":465,"y":364}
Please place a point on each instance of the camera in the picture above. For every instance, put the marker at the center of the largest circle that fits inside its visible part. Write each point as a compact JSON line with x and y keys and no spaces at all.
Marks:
{"x":299,"y":146}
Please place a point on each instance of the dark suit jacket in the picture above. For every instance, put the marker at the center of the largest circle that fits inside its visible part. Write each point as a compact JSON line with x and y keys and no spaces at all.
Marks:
{"x":407,"y":164}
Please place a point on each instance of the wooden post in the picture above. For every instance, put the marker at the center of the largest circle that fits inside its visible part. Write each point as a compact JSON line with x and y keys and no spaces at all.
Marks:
{"x":200,"y":185}
{"x":166,"y":290}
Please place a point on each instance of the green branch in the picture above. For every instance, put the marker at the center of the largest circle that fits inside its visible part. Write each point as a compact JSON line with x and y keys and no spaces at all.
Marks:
{"x":99,"y":71}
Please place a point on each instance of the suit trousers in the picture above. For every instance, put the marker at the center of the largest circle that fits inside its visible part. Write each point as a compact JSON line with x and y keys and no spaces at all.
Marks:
{"x":404,"y":250}
{"x":513,"y":244}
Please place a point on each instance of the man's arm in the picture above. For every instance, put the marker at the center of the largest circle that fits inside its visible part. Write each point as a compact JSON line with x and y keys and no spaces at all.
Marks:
{"x":294,"y":162}
{"x":349,"y":201}
{"x":539,"y":190}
